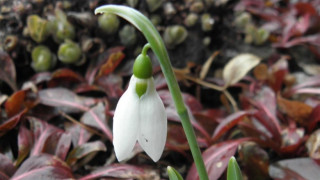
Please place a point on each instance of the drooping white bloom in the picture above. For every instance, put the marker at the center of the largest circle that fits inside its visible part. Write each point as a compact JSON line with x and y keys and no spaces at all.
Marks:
{"x":139,"y":119}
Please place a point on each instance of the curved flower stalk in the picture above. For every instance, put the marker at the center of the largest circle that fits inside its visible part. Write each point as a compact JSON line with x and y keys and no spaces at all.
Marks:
{"x":153,"y":37}
{"x":140,"y":115}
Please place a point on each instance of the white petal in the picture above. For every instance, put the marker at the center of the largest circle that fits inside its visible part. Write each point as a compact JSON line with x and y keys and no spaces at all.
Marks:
{"x":153,"y":123}
{"x":126,"y":122}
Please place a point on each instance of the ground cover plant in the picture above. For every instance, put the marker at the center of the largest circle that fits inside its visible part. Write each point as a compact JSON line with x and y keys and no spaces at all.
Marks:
{"x":248,"y":71}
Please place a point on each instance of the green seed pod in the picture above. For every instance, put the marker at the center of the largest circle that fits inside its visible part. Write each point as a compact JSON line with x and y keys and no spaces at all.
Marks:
{"x":132,"y":3}
{"x":191,"y":19}
{"x":128,"y":35}
{"x":174,"y":35}
{"x":153,"y":5}
{"x":155,"y":19}
{"x":42,"y":58}
{"x":38,"y":28}
{"x":69,"y":52}
{"x":260,"y":36}
{"x":62,"y":28}
{"x":109,"y":23}
{"x":242,"y":20}
{"x":197,"y":7}
{"x":10,"y":42}
{"x":206,"y":22}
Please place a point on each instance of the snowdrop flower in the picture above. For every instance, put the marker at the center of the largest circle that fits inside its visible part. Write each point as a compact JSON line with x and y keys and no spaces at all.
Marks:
{"x":140,"y":115}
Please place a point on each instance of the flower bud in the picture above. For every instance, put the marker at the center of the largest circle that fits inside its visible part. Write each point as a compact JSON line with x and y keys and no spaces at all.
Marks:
{"x":42,"y":58}
{"x":69,"y":52}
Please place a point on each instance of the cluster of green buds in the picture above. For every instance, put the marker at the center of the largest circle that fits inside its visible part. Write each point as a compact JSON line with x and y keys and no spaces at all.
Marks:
{"x":253,"y":34}
{"x":62,"y":31}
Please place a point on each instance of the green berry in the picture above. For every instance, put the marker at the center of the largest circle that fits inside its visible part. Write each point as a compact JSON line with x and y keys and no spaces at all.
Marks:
{"x":38,"y":28}
{"x":128,"y":35}
{"x":62,"y":28}
{"x":42,"y":58}
{"x":69,"y":52}
{"x":109,"y":23}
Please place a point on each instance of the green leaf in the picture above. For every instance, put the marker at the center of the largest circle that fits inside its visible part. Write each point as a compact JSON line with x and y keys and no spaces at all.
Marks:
{"x":233,"y":172}
{"x":173,"y":174}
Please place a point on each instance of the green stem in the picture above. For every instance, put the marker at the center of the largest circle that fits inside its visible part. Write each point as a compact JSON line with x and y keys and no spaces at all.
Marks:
{"x":153,"y":37}
{"x":145,"y":49}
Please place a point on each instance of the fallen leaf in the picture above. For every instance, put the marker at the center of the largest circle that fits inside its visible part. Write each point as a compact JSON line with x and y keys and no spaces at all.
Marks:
{"x":298,"y":169}
{"x":238,"y":67}
{"x":296,"y":110}
{"x":43,"y":166}
{"x":313,"y":145}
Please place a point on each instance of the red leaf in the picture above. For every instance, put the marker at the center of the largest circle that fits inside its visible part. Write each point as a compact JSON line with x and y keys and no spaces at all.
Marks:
{"x":103,"y":59}
{"x":252,"y":155}
{"x":43,"y":166}
{"x":64,"y":76}
{"x":79,"y":135}
{"x":6,"y":167}
{"x":48,"y":139}
{"x":65,"y":100}
{"x":277,"y":74}
{"x":228,"y":123}
{"x":314,"y":118}
{"x":119,"y":171}
{"x":96,"y":117}
{"x":25,"y":142}
{"x":305,"y":8}
{"x":309,"y":82}
{"x":112,"y":85}
{"x":266,"y":103}
{"x":298,"y":168}
{"x":216,"y":159}
{"x":8,"y":70}
{"x":176,"y":139}
{"x":15,"y":103}
{"x":112,"y":62}
{"x":11,"y":123}
{"x":84,"y":150}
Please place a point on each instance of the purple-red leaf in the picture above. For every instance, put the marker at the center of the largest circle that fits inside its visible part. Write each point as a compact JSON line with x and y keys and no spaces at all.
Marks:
{"x":95,"y":66}
{"x":64,"y":76}
{"x":96,"y":117}
{"x":65,"y":100}
{"x":277,"y":74}
{"x":266,"y":103}
{"x":299,"y":169}
{"x":48,"y":139}
{"x":119,"y":171}
{"x":314,"y":118}
{"x":6,"y":167}
{"x":25,"y":142}
{"x":79,"y":135}
{"x":43,"y":166}
{"x":11,"y":123}
{"x":7,"y":70}
{"x":228,"y":123}
{"x":112,"y":85}
{"x":216,"y":159}
{"x":84,"y":150}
